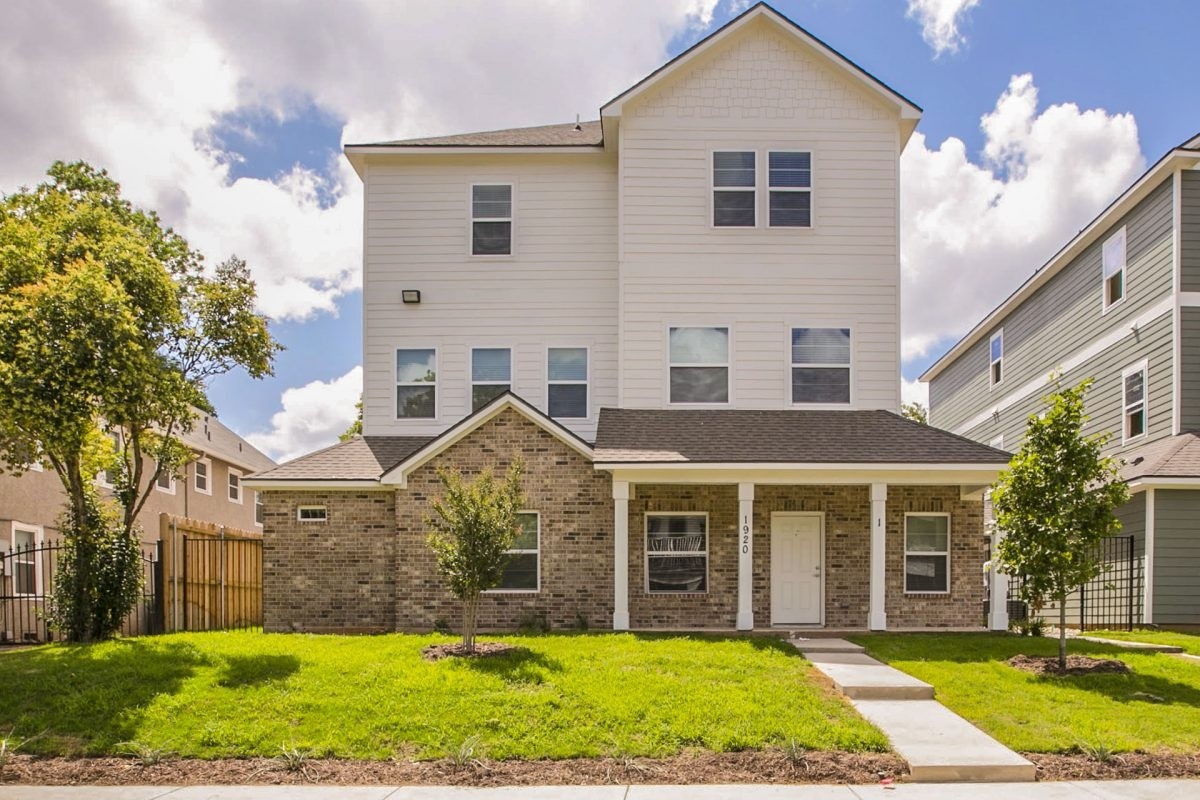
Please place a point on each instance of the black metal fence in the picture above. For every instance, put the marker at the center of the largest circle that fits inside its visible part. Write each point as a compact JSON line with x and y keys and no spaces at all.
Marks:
{"x":222,"y":583}
{"x":27,"y":584}
{"x":1112,"y":600}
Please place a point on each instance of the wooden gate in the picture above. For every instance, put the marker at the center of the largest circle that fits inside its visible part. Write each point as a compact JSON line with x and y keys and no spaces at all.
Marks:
{"x":212,"y":576}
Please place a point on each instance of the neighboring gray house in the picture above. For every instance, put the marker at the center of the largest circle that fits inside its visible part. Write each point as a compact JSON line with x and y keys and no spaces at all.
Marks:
{"x":1120,"y":303}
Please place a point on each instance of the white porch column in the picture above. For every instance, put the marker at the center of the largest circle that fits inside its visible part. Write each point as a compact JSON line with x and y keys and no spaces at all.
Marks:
{"x":745,"y":612}
{"x":998,"y":616}
{"x":620,"y":555}
{"x":877,"y":620}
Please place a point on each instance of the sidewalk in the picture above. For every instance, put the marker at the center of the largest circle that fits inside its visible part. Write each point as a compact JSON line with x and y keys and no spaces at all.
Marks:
{"x":1074,"y":790}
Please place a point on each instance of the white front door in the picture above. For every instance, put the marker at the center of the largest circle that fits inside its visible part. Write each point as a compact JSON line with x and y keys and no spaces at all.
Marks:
{"x":796,"y":550}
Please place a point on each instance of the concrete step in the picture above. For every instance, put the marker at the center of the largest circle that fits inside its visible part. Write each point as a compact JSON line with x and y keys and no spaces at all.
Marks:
{"x":808,"y":645}
{"x":941,"y":746}
{"x":858,"y":676}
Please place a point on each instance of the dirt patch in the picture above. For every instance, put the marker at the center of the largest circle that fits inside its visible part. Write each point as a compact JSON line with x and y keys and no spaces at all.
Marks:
{"x":436,"y":652}
{"x":768,"y":766}
{"x":1119,"y":766}
{"x":1076,"y":665}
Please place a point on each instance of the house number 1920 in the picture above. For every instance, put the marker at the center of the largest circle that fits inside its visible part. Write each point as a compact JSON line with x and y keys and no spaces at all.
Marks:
{"x":745,"y":534}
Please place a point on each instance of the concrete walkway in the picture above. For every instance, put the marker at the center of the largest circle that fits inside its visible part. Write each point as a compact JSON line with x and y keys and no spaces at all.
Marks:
{"x":938,"y":745}
{"x":1075,"y":790}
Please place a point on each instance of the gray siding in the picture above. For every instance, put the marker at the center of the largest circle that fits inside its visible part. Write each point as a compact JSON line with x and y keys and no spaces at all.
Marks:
{"x":1133,"y":522}
{"x":1064,"y":316}
{"x":1177,"y":557}
{"x":1189,"y":369}
{"x":1189,"y":252}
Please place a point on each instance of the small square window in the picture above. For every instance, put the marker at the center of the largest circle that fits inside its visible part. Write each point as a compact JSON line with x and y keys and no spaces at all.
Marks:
{"x":164,"y":481}
{"x":312,"y":514}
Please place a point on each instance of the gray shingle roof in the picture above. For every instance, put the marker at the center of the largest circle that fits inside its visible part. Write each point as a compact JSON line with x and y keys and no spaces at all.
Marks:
{"x":782,"y":436}
{"x":1171,"y":457}
{"x":562,"y":135}
{"x":359,"y":459}
{"x":211,"y":436}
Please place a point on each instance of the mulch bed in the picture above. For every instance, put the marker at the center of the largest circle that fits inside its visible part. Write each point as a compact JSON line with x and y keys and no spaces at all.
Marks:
{"x":771,"y":766}
{"x":1076,"y":665}
{"x":1121,"y":766}
{"x":436,"y":652}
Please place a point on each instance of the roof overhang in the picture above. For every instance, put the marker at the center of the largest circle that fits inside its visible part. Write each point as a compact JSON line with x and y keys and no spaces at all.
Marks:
{"x":1182,"y":482}
{"x":806,"y":473}
{"x":1179,"y":158}
{"x":357,"y":154}
{"x":286,"y":484}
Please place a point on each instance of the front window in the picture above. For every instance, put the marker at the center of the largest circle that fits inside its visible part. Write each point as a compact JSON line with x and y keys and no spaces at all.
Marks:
{"x":1134,"y":387}
{"x":733,"y":189}
{"x":699,"y":370}
{"x":521,"y":572}
{"x":789,"y":181}
{"x":201,"y":471}
{"x":676,"y":553}
{"x":996,"y":355}
{"x":927,"y":553}
{"x":24,"y":561}
{"x":416,"y":384}
{"x":235,"y":486}
{"x":491,"y":219}
{"x":1113,"y":258}
{"x":567,"y":382}
{"x":491,"y":374}
{"x":821,"y":365}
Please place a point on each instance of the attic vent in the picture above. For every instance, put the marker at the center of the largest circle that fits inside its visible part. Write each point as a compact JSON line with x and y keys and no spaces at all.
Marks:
{"x":578,"y":127}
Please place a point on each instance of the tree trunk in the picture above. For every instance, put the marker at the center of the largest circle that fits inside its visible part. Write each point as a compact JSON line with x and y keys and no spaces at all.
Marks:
{"x":1062,"y":633}
{"x":470,"y":607}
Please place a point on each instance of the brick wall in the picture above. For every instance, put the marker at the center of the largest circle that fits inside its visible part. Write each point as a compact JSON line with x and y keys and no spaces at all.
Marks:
{"x":329,"y":576}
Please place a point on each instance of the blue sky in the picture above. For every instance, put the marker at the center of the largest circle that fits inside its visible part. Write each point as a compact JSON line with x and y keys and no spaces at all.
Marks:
{"x":265,"y":108}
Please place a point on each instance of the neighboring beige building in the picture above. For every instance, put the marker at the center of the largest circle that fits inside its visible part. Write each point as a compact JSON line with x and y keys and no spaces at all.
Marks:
{"x":209,"y":490}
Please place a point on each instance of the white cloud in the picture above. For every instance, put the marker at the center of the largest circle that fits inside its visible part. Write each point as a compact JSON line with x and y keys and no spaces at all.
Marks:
{"x":312,"y":417}
{"x":971,"y":233}
{"x":940,"y":20}
{"x":914,"y":392}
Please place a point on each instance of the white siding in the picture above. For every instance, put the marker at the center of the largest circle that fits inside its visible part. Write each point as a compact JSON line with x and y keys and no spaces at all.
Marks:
{"x":759,"y":90}
{"x":559,"y":288}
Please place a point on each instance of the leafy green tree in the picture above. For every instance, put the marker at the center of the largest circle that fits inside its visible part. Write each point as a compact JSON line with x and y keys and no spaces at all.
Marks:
{"x":1055,"y":503}
{"x":355,"y":428}
{"x":474,"y":524}
{"x":110,"y":329}
{"x":915,"y":411}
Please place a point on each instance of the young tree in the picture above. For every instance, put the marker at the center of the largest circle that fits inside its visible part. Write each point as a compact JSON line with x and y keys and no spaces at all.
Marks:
{"x":110,"y":330}
{"x":355,"y":428}
{"x":474,"y":525}
{"x":915,"y":411}
{"x":1055,"y":503}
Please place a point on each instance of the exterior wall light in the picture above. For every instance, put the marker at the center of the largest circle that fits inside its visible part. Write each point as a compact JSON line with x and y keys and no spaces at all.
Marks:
{"x":410,"y":296}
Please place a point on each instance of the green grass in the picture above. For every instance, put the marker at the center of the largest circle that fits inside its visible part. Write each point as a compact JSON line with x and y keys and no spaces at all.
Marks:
{"x":1156,"y":707}
{"x":1190,"y":642}
{"x":249,"y":694}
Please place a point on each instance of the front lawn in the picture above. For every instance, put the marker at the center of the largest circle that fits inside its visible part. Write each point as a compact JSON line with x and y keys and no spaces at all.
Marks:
{"x":249,"y":694}
{"x":1156,"y":707}
{"x":1190,"y":642}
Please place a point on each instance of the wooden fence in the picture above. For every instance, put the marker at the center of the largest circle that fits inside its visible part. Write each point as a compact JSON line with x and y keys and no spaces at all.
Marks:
{"x":212,"y":575}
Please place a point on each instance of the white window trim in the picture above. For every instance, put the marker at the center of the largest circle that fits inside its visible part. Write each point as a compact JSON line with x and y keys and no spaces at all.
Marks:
{"x":300,"y":509}
{"x":208,"y":475}
{"x":712,"y":188}
{"x":646,"y":551}
{"x":949,"y":549}
{"x":538,"y":552}
{"x":728,"y":364}
{"x":241,"y":489}
{"x":512,"y":371}
{"x":788,"y":365}
{"x":169,"y":488}
{"x":810,"y":191}
{"x":511,"y":219}
{"x":586,"y":382}
{"x":992,"y":383}
{"x":1106,"y":306}
{"x":1143,"y":367}
{"x":258,"y":503}
{"x":437,"y":383}
{"x":38,"y":540}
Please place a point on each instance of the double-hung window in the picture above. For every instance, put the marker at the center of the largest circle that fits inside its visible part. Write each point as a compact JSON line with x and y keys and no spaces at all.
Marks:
{"x":491,"y":219}
{"x":1112,"y":256}
{"x":202,"y":471}
{"x":789,"y":182}
{"x":416,"y":384}
{"x":491,"y":374}
{"x":260,"y":512}
{"x":699,"y":365}
{"x":820,"y":365}
{"x":164,"y":481}
{"x":927,"y":553}
{"x":996,"y":356}
{"x":24,"y":561}
{"x":733,"y":189}
{"x":235,"y":486}
{"x":676,"y":553}
{"x":521,"y":571}
{"x":567,"y":382}
{"x":1133,"y":387}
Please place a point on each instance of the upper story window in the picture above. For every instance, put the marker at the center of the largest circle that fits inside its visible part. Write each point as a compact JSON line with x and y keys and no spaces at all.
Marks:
{"x":202,"y":475}
{"x":567,"y":382}
{"x":1113,"y":266}
{"x":734,"y":192}
{"x":927,"y":553}
{"x":521,"y":571}
{"x":699,"y":365}
{"x":996,"y":356}
{"x":820,"y":365}
{"x":235,"y":486}
{"x":260,"y":511}
{"x":416,"y":383}
{"x":676,"y":553}
{"x":491,"y":219}
{"x":789,"y":182}
{"x":491,"y":374}
{"x":1133,"y":387}
{"x":164,"y":481}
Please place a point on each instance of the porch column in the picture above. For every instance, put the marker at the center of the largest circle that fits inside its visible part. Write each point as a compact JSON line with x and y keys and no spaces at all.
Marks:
{"x":998,"y":616}
{"x":620,"y":555}
{"x":745,"y":612}
{"x":877,"y":620}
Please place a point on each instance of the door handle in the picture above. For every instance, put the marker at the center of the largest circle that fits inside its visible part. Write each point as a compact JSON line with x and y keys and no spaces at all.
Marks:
{"x":816,"y":572}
